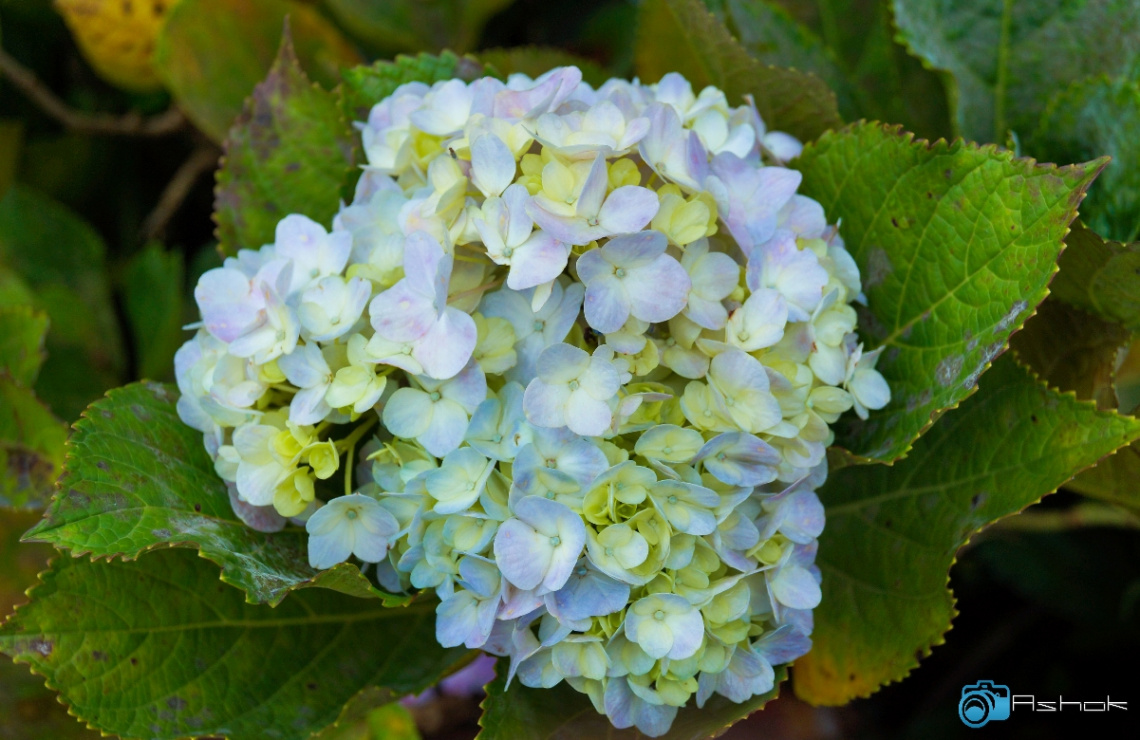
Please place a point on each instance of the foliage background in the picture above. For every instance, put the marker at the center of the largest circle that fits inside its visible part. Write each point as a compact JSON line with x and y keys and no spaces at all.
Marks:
{"x":104,"y":228}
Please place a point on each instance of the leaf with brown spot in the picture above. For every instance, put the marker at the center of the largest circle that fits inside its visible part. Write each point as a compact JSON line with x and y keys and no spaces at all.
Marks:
{"x":945,"y":293}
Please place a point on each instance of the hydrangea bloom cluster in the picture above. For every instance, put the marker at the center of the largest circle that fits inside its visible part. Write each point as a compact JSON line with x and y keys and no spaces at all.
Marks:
{"x":586,"y":345}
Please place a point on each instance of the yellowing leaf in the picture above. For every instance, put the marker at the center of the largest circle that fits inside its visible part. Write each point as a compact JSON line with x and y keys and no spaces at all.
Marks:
{"x":118,"y":38}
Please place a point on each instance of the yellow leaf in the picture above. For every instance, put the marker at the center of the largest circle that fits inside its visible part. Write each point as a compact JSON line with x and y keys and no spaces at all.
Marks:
{"x":117,"y":37}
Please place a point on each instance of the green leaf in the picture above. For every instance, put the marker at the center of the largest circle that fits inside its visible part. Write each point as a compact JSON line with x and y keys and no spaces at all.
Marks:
{"x":893,"y":531}
{"x":413,"y":25}
{"x":157,"y":648}
{"x":28,"y":711}
{"x":1091,"y":118}
{"x":288,"y":152}
{"x":561,"y":713}
{"x":1072,"y":351}
{"x":60,"y":258}
{"x":956,"y":245}
{"x":138,"y":479}
{"x":1005,"y":58}
{"x":771,"y":35}
{"x":154,"y":289}
{"x":22,"y":332}
{"x":683,"y":36}
{"x":364,"y":87}
{"x":537,"y":60}
{"x":211,"y":53}
{"x":31,"y":447}
{"x":1100,"y":277}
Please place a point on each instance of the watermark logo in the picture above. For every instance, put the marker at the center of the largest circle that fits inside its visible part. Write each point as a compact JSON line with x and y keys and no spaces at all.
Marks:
{"x":982,"y":702}
{"x":986,"y":701}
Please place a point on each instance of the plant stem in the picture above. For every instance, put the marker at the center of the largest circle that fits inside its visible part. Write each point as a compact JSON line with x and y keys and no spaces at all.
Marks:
{"x":350,"y":450}
{"x":131,"y":124}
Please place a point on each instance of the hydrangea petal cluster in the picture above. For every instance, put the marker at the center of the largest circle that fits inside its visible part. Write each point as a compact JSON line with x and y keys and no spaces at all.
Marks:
{"x":575,"y":354}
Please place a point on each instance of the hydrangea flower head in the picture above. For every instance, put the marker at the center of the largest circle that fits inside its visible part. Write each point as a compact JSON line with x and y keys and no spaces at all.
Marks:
{"x":574,"y":354}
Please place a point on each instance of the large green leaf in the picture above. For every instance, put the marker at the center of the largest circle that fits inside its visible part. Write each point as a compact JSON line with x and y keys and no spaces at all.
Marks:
{"x":1116,"y":480}
{"x":956,"y":245}
{"x":1006,"y":58}
{"x":561,"y":713}
{"x":138,"y":479}
{"x":1091,"y":118}
{"x":211,"y":53}
{"x":1099,"y":276}
{"x":28,"y":711}
{"x":22,"y":332}
{"x":60,"y":259}
{"x":772,"y":36}
{"x":157,"y":648}
{"x":365,"y":86}
{"x":31,"y":446}
{"x":683,"y":36}
{"x":893,"y":531}
{"x":414,"y":25}
{"x":288,"y":152}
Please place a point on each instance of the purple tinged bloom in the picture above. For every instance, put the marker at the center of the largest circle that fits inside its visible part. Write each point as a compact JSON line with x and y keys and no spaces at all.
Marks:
{"x":781,"y":265}
{"x":573,"y":389}
{"x":507,"y":230}
{"x":539,"y":546}
{"x":740,"y":459}
{"x":415,"y":310}
{"x":674,"y":153}
{"x":594,"y":214}
{"x":749,"y":198}
{"x":632,"y":275}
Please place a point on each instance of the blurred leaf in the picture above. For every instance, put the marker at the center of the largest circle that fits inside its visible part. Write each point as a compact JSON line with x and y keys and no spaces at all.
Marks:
{"x":28,"y":710}
{"x":138,"y":479}
{"x":893,"y":531}
{"x":388,"y":722}
{"x":683,"y":36}
{"x":211,"y":53}
{"x":1006,"y":58}
{"x":956,"y":245}
{"x":117,"y":38}
{"x":11,"y":140}
{"x":1100,"y":277}
{"x":537,"y":60}
{"x":771,"y":35}
{"x":561,"y":713}
{"x":288,"y":152}
{"x":414,"y":25}
{"x":61,"y":259}
{"x":1116,"y":480}
{"x":22,"y":331}
{"x":154,"y":288}
{"x":365,"y":86}
{"x":158,"y":648}
{"x":1072,"y":351}
{"x":1089,"y":119}
{"x":31,"y":447}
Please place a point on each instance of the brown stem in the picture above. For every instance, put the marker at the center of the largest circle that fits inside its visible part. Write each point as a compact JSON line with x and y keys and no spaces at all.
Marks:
{"x":131,"y":124}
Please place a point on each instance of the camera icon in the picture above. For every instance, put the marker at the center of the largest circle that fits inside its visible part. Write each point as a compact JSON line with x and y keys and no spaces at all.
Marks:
{"x":982,"y":702}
